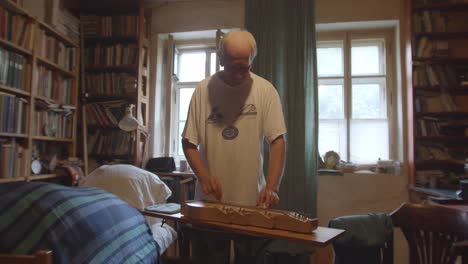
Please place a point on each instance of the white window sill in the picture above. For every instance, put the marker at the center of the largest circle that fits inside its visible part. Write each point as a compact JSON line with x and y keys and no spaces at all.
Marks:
{"x":354,"y":173}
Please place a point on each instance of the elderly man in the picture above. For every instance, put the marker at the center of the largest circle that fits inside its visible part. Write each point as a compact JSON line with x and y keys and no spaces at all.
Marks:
{"x":231,"y":114}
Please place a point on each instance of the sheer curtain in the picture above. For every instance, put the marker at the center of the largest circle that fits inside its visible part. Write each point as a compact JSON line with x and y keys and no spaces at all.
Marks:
{"x":285,"y":34}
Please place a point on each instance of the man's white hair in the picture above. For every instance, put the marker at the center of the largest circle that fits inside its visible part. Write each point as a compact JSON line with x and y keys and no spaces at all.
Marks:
{"x":250,"y":38}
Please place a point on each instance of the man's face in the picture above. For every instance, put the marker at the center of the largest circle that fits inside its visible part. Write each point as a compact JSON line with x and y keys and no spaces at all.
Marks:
{"x":236,"y":68}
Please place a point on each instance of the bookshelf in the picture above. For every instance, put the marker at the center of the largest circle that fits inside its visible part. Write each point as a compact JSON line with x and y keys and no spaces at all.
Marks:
{"x":115,"y":58}
{"x":437,"y":64}
{"x":38,"y":95}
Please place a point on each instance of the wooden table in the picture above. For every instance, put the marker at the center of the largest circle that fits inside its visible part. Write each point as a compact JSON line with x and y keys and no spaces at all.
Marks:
{"x":320,"y":237}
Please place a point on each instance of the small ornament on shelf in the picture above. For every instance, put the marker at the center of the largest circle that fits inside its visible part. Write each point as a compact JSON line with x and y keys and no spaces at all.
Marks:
{"x":331,"y":159}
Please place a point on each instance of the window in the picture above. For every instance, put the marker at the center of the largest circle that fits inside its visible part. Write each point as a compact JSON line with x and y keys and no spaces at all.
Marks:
{"x":355,"y":110}
{"x":190,"y":66}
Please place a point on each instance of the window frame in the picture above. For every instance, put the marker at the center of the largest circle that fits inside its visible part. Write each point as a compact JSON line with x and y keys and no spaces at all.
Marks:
{"x":391,"y":89}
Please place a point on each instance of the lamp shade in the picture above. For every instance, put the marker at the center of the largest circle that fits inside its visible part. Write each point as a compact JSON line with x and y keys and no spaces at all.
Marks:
{"x":129,"y":122}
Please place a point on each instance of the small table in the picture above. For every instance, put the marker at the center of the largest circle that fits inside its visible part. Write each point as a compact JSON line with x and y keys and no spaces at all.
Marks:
{"x":182,"y":180}
{"x":320,"y":237}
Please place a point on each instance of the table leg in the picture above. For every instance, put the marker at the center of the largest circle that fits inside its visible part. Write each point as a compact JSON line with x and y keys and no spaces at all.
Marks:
{"x":184,"y":241}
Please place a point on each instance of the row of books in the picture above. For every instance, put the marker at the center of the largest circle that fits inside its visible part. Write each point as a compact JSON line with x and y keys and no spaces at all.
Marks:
{"x":434,"y":104}
{"x":109,"y":143}
{"x":439,"y":22}
{"x":110,"y":26}
{"x":14,"y":70}
{"x":68,"y":24}
{"x":51,"y":48}
{"x":429,"y":21}
{"x":432,"y":152}
{"x":12,"y":159}
{"x":106,"y":114}
{"x":434,"y":75}
{"x":428,"y":126}
{"x":16,"y":28}
{"x":434,"y":126}
{"x":13,"y":115}
{"x":111,"y":83}
{"x":57,"y":124}
{"x":113,"y":55}
{"x":426,"y":48}
{"x":52,"y":85}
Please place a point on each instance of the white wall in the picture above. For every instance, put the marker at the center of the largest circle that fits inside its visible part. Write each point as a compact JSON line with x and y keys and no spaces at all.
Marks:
{"x":329,"y":11}
{"x":197,"y":15}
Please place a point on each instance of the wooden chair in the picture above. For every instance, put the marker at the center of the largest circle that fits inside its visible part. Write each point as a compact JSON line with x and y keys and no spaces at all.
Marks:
{"x":41,"y":257}
{"x":435,"y":234}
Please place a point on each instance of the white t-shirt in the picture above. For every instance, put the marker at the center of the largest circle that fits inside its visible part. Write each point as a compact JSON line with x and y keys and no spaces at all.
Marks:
{"x":229,"y":124}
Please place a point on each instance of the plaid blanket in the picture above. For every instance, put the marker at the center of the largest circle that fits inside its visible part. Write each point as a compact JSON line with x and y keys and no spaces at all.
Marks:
{"x":80,"y":225}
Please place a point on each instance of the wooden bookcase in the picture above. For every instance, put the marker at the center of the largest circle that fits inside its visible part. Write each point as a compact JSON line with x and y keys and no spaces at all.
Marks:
{"x":115,"y":72}
{"x":39,"y":95}
{"x":437,"y":71}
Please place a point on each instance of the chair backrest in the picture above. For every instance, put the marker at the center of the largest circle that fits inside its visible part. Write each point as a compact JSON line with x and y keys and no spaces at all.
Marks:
{"x":41,"y":257}
{"x":431,"y":231}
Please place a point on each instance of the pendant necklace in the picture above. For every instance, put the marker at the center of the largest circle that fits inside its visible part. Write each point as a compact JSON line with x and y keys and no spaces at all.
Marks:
{"x":230,"y":132}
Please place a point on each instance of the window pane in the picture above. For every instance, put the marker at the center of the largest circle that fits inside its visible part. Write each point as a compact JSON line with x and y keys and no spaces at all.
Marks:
{"x":366,"y":57}
{"x":332,"y":136}
{"x":213,"y":63}
{"x":179,"y":150}
{"x":192,"y":66}
{"x":331,"y":102}
{"x":184,"y":102}
{"x":369,"y":141}
{"x":368,"y":101}
{"x":330,"y":59}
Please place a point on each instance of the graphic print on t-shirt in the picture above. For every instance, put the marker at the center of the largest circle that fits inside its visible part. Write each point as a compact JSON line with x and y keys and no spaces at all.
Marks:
{"x":216,"y":117}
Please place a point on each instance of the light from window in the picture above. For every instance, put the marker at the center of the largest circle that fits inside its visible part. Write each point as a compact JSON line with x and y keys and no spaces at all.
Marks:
{"x":332,"y":123}
{"x":184,"y":102}
{"x":365,"y":58}
{"x":332,"y":136}
{"x":213,"y":63}
{"x":352,"y":100}
{"x":331,"y":101}
{"x":330,"y":60}
{"x":367,"y":101}
{"x":185,"y":95}
{"x":192,"y":66}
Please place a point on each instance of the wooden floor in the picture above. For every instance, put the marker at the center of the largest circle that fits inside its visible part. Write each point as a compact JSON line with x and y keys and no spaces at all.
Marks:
{"x":322,"y":256}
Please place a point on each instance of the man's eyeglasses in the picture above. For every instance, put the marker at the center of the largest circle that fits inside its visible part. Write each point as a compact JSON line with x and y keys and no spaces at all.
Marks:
{"x":237,"y":68}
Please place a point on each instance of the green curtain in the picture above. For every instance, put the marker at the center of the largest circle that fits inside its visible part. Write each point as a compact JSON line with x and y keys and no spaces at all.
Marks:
{"x":285,"y":34}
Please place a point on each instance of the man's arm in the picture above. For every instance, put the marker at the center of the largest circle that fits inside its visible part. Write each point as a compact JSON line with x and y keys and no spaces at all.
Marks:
{"x":209,"y":184}
{"x":269,"y":195}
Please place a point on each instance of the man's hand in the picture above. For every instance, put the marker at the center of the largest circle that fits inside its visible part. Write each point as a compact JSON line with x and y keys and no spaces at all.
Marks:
{"x":267,"y":198}
{"x":211,"y":186}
